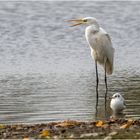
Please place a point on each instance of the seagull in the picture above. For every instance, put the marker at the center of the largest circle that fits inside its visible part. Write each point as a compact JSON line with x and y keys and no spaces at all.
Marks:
{"x":117,"y":103}
{"x":100,"y":45}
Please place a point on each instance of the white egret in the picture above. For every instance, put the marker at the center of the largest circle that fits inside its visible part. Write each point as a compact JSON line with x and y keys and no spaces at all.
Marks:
{"x":117,"y":103}
{"x":100,"y":44}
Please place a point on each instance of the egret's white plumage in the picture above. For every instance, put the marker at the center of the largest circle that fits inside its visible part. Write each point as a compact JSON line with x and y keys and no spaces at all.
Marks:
{"x":117,"y":103}
{"x":100,"y":44}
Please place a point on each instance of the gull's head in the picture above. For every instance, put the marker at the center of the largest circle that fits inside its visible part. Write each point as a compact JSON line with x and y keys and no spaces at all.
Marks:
{"x":86,"y":21}
{"x":117,"y":96}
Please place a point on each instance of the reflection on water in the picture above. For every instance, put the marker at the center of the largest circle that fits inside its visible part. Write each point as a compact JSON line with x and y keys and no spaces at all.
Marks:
{"x":46,"y":71}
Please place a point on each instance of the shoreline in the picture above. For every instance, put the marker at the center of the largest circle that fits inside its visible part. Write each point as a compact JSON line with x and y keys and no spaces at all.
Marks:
{"x":70,"y":129}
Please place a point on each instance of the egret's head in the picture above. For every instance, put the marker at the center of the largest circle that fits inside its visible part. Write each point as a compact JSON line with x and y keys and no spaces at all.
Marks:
{"x":117,"y":96}
{"x":86,"y":21}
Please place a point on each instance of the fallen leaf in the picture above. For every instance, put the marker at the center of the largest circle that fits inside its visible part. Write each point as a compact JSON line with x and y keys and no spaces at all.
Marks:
{"x":67,"y":123}
{"x":26,"y":139}
{"x":1,"y":126}
{"x":45,"y":134}
{"x":124,"y":126}
{"x":99,"y":123}
{"x":127,"y":125}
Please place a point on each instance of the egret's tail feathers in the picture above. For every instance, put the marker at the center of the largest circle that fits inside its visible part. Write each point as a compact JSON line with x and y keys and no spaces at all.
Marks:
{"x":109,"y":68}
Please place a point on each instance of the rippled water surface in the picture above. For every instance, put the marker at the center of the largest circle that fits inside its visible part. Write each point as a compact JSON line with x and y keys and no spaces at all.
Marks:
{"x":46,"y":71}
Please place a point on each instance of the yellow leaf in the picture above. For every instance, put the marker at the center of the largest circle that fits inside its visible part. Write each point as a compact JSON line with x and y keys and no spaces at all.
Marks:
{"x":99,"y":123}
{"x":45,"y":134}
{"x":124,"y":126}
{"x":1,"y":126}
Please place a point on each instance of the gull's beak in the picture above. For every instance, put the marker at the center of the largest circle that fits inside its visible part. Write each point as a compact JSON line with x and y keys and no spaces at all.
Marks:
{"x":111,"y":97}
{"x":76,"y":22}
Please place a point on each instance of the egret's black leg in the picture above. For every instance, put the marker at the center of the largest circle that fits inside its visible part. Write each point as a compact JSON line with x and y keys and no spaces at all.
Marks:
{"x":96,"y":109}
{"x":106,"y":89}
{"x":106,"y":82}
{"x":97,"y":82}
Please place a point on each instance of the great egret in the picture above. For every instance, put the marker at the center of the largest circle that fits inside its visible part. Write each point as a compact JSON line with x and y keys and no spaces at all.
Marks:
{"x":100,"y":44}
{"x":117,"y":103}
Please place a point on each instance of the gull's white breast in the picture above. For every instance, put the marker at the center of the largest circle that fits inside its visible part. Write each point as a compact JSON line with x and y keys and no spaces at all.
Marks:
{"x":117,"y":105}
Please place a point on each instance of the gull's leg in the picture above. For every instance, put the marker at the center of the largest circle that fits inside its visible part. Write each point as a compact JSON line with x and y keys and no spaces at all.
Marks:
{"x":97,"y":82}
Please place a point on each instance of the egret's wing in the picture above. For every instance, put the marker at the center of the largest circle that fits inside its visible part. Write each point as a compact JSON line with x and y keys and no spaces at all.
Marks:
{"x":108,"y":51}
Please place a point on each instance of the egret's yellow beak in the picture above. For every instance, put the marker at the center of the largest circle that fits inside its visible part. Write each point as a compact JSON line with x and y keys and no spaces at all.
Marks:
{"x":77,"y":22}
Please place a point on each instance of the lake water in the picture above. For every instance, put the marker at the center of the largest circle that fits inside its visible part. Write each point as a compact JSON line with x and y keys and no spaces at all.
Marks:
{"x":46,"y":71}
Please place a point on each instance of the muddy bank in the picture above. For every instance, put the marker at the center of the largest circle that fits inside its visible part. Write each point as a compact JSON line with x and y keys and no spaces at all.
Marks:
{"x":119,"y":128}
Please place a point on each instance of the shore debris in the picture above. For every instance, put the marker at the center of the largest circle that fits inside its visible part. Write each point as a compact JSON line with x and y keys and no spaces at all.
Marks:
{"x":109,"y":129}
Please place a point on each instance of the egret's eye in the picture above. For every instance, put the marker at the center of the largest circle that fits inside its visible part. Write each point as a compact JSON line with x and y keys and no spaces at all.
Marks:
{"x":85,"y":20}
{"x":115,"y":96}
{"x":118,"y":95}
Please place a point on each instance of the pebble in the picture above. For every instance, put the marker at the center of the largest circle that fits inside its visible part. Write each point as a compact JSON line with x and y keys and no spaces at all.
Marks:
{"x":89,"y":135}
{"x":113,"y":133}
{"x":108,"y":138}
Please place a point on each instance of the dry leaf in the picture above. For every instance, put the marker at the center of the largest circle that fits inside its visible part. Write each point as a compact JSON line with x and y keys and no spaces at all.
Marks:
{"x":45,"y":134}
{"x":67,"y":123}
{"x":26,"y":139}
{"x":99,"y":123}
{"x":124,"y":126}
{"x":1,"y":126}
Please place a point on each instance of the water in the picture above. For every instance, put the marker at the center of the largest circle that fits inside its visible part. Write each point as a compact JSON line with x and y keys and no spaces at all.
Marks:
{"x":46,"y":71}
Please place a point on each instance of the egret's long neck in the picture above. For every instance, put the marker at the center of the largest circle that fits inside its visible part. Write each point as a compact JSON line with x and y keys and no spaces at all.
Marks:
{"x":94,"y":27}
{"x":90,"y":31}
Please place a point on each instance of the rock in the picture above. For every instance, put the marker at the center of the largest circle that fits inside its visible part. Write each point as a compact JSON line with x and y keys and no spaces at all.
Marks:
{"x":108,"y":138}
{"x":55,"y":137}
{"x":138,"y":133}
{"x":71,"y":136}
{"x":113,"y":133}
{"x":89,"y":135}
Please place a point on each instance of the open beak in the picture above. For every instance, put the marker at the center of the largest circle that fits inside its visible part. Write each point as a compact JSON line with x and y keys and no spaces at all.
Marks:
{"x":75,"y":22}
